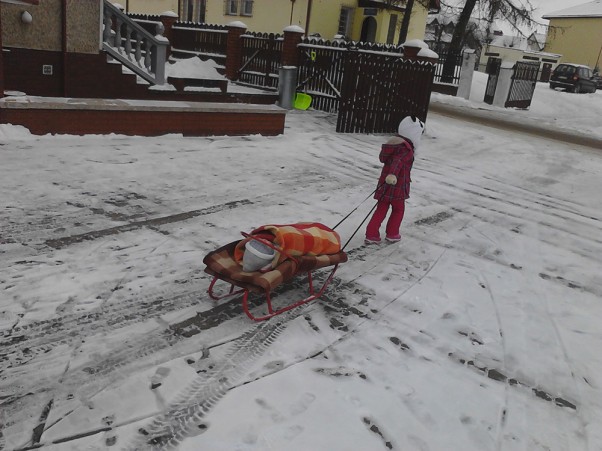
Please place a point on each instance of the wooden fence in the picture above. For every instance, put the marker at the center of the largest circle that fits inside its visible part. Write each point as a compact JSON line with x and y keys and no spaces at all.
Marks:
{"x":369,"y":84}
{"x":189,"y":39}
{"x":206,"y":41}
{"x":260,"y":60}
{"x":322,"y":66}
{"x":379,"y":90}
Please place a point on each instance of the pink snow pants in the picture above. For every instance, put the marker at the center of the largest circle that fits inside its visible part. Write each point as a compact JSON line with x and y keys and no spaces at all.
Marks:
{"x":394,"y":222}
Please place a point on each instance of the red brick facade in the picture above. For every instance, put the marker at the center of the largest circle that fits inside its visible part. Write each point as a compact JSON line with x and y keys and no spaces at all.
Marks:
{"x":91,"y":76}
{"x":145,"y":122}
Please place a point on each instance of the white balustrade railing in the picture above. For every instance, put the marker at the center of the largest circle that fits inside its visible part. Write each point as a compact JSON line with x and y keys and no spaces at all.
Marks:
{"x":133,"y":46}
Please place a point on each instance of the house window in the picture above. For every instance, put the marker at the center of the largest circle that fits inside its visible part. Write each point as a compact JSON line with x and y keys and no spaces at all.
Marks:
{"x":345,"y":21}
{"x":193,"y":10}
{"x":246,"y":8}
{"x":231,"y":7}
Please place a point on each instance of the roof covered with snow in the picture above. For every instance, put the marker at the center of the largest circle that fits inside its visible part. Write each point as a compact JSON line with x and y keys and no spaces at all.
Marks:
{"x":514,"y":42}
{"x":591,"y":9}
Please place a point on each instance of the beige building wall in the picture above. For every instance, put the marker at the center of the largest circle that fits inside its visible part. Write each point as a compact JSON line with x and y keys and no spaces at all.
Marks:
{"x":268,"y":17}
{"x":272,"y":16}
{"x":325,"y":17}
{"x":417,"y":22}
{"x":155,"y":7}
{"x":507,"y":54}
{"x":578,"y":40}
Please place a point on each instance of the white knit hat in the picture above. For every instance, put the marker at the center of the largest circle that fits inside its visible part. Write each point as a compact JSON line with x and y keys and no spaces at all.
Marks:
{"x":411,"y":128}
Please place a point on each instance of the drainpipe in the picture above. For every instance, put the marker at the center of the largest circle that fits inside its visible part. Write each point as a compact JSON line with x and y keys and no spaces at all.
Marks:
{"x":64,"y":46}
{"x":308,"y":17}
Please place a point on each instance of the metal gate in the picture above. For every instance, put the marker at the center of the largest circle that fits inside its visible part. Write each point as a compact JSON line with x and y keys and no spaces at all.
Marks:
{"x":523,"y":84}
{"x":379,"y":90}
{"x":546,"y":72}
{"x":493,"y":69}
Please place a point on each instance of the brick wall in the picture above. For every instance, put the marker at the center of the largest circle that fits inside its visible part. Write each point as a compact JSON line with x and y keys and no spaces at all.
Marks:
{"x":23,"y":72}
{"x":144,"y":123}
{"x":91,"y":76}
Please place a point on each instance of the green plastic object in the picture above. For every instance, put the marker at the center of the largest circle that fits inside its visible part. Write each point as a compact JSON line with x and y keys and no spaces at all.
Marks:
{"x":302,"y":101}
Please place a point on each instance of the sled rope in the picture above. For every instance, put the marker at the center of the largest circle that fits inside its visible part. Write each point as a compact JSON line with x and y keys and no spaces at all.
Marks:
{"x":364,"y":220}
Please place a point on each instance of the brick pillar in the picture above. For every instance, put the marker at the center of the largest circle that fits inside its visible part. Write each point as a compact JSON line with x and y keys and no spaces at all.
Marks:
{"x":168,"y":19}
{"x":234,"y":49}
{"x":290,"y":52}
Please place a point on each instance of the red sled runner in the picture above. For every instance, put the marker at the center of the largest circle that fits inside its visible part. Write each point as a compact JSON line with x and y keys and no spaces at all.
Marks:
{"x":289,"y":250}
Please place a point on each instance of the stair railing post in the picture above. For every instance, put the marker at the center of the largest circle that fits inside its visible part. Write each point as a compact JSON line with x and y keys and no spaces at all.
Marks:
{"x":159,"y":56}
{"x":128,"y":42}
{"x":117,"y":43}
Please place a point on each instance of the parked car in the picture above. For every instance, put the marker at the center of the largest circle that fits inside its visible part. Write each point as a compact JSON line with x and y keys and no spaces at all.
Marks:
{"x":573,"y":78}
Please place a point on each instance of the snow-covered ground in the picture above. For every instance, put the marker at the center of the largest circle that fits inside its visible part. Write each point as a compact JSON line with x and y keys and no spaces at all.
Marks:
{"x":480,"y":330}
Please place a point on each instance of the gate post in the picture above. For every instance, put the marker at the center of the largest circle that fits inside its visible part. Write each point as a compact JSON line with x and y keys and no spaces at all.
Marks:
{"x":290,"y":52}
{"x":234,"y":49}
{"x":168,"y":19}
{"x":504,"y":82}
{"x":466,"y":73}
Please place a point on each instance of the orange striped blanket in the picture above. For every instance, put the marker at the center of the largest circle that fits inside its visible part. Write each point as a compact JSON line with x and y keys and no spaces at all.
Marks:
{"x":303,"y":238}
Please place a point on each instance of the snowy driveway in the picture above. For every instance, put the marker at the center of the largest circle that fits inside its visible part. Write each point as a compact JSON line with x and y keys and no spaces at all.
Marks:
{"x":479,"y":331}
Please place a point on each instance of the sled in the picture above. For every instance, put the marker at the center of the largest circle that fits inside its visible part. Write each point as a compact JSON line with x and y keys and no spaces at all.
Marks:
{"x":222,"y":265}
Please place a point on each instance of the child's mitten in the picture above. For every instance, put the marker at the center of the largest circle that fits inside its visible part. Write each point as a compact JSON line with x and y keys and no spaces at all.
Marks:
{"x":391,"y":179}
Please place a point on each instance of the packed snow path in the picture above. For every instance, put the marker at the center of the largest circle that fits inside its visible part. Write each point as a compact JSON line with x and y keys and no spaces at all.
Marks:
{"x":481,"y":328}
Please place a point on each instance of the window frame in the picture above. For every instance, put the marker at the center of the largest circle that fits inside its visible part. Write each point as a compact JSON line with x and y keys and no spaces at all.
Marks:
{"x":228,"y":10}
{"x":243,"y":8}
{"x":347,"y":23}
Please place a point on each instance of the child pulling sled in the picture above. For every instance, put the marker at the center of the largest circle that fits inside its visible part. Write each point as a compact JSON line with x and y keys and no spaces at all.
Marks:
{"x":397,"y":155}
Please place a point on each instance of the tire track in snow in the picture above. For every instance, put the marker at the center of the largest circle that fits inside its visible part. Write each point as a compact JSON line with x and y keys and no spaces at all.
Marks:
{"x":504,"y":413}
{"x":169,"y":429}
{"x":23,"y":343}
{"x":522,"y":198}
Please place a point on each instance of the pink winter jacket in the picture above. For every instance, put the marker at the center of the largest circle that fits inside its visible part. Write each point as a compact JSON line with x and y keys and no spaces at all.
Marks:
{"x":398,"y":157}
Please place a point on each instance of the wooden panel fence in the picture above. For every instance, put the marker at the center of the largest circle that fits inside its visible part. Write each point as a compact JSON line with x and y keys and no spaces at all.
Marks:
{"x":379,"y":90}
{"x":147,"y":21}
{"x":206,"y":41}
{"x":260,"y":60}
{"x":321,"y":68}
{"x":321,"y":74}
{"x":369,"y":84}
